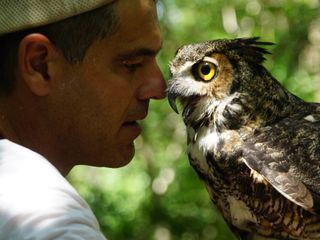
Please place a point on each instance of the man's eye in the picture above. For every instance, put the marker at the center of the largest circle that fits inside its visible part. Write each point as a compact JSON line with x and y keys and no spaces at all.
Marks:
{"x":132,"y":65}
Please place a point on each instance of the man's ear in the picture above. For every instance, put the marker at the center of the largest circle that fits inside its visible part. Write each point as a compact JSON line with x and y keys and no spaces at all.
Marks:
{"x":34,"y":55}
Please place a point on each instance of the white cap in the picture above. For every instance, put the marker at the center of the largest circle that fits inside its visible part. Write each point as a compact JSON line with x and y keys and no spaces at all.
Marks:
{"x":18,"y":15}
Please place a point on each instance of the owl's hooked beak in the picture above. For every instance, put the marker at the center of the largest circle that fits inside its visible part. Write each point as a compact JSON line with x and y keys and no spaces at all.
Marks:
{"x":172,"y":97}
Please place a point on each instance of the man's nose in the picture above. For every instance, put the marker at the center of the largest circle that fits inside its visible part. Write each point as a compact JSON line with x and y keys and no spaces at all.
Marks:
{"x":153,"y":84}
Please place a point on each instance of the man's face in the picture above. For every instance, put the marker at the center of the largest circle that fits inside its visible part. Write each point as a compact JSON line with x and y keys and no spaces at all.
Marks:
{"x":102,"y":98}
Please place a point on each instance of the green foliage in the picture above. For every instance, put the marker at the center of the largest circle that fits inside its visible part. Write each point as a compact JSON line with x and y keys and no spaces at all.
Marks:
{"x":158,"y":196}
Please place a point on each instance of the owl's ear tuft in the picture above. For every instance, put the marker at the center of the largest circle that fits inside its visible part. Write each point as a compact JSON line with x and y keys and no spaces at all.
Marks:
{"x":250,"y":49}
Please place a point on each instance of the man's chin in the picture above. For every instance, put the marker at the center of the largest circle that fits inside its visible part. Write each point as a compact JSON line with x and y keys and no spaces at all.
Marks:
{"x":120,"y":158}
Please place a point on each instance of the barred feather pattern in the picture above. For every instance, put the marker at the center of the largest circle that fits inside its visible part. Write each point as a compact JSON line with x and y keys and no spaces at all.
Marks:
{"x":254,"y":144}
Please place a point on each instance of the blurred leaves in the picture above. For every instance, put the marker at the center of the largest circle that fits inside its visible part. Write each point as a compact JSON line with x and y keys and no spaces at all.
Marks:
{"x":158,"y":196}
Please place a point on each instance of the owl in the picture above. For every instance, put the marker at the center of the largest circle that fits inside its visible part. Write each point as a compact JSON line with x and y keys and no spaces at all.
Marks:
{"x":255,"y":145}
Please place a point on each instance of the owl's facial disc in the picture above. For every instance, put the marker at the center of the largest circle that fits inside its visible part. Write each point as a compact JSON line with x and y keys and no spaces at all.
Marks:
{"x":190,"y":80}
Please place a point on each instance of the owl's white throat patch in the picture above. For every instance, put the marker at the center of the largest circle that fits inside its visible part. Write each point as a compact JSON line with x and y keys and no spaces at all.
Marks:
{"x":209,"y":106}
{"x":203,"y":141}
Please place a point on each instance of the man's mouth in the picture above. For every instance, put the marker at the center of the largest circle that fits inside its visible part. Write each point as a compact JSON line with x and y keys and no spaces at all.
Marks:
{"x":134,"y":118}
{"x":132,"y":129}
{"x":130,"y":123}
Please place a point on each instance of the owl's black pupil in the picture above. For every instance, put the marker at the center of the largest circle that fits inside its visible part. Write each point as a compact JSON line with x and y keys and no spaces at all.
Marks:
{"x":205,"y":69}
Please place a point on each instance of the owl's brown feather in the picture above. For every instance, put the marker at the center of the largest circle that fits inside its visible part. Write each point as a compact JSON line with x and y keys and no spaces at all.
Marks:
{"x":255,"y":145}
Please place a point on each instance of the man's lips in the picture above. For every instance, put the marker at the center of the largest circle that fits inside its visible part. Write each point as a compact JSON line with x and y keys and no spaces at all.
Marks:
{"x":135,"y":118}
{"x":131,"y":129}
{"x":131,"y":125}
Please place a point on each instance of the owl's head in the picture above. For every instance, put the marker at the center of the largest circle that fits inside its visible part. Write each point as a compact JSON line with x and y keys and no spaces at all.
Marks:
{"x":215,"y":70}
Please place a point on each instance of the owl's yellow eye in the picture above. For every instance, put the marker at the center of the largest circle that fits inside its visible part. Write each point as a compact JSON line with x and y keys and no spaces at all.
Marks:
{"x":206,"y":70}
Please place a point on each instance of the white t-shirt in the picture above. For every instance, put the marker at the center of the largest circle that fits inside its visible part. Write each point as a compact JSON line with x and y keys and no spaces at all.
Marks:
{"x":37,"y":202}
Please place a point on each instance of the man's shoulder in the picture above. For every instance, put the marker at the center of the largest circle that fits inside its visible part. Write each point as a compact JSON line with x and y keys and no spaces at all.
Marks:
{"x":25,"y":172}
{"x":36,"y":198}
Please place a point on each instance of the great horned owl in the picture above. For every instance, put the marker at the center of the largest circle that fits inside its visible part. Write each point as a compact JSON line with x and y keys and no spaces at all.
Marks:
{"x":255,"y":145}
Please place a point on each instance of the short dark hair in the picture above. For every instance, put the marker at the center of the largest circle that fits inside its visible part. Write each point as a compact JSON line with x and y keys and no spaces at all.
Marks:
{"x":72,"y":36}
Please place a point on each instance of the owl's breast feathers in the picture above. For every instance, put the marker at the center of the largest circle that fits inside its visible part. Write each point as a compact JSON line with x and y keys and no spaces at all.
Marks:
{"x":267,"y":173}
{"x":255,"y":145}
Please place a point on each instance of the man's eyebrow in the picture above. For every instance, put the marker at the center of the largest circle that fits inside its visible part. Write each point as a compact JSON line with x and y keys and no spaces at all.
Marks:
{"x":141,"y":52}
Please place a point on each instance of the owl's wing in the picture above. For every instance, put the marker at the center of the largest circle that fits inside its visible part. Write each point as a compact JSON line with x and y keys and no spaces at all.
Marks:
{"x":287,"y":155}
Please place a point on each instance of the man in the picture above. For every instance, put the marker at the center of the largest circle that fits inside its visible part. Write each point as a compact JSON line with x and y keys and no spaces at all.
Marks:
{"x":75,"y":77}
